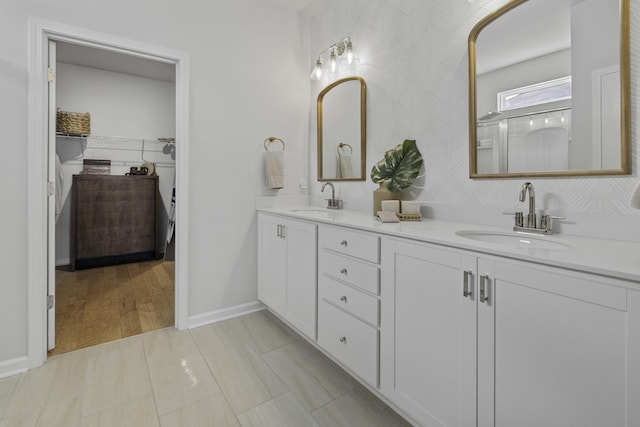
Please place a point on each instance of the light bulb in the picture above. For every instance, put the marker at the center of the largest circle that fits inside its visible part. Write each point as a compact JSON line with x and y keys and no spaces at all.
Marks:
{"x":333,"y":61}
{"x":349,"y":53}
{"x":316,"y":74}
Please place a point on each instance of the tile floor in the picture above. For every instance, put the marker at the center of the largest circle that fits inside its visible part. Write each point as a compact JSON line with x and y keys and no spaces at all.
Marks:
{"x":248,"y":371}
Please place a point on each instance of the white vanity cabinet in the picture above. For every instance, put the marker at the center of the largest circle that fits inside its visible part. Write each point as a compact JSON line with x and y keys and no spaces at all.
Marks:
{"x":556,"y":348}
{"x":429,"y":342}
{"x":287,"y":270}
{"x":487,"y":341}
{"x":348,"y":299}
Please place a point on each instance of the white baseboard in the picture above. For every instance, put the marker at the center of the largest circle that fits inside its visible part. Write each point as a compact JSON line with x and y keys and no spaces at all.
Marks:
{"x":224,"y":314}
{"x":63,"y":261}
{"x":12,"y":367}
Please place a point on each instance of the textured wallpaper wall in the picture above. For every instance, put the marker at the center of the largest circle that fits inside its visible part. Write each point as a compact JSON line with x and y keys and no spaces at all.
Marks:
{"x":414,"y":59}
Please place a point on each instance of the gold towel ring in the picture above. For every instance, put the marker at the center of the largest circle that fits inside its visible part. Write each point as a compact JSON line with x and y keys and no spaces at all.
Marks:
{"x":341,"y":145}
{"x":271,"y":139}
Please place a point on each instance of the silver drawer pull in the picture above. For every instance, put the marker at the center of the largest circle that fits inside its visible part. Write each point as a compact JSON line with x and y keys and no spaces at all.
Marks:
{"x":484,"y":294}
{"x":343,"y":298}
{"x":344,"y":243}
{"x":343,"y":271}
{"x":343,"y":339}
{"x":466,"y":292}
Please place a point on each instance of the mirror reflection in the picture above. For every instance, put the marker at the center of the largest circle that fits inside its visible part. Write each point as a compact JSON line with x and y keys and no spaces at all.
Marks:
{"x":549,"y":84}
{"x":341,"y":131}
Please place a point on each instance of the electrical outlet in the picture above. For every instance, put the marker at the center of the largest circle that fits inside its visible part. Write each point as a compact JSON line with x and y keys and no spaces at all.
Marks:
{"x":303,"y":184}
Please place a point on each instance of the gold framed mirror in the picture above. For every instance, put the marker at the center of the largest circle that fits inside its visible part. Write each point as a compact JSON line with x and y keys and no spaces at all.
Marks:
{"x":549,"y":90}
{"x":342,"y":119}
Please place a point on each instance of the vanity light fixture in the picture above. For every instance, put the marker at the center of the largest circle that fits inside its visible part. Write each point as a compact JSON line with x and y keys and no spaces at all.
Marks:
{"x":340,"y":53}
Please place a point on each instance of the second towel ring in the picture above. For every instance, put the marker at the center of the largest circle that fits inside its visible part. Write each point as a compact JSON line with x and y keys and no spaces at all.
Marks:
{"x":270,"y":140}
{"x":342,"y":145}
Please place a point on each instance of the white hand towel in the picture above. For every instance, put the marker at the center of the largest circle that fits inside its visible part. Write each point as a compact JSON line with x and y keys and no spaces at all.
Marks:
{"x":346,"y":170}
{"x":635,"y":197}
{"x":275,"y":169}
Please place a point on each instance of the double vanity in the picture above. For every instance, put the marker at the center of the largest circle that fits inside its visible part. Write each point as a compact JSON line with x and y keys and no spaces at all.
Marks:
{"x":462,"y":325}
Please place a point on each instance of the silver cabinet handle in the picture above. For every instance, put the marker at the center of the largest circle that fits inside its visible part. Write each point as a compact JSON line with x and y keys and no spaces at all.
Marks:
{"x":343,"y":339}
{"x":284,"y":227}
{"x":279,"y":232}
{"x":344,"y":243}
{"x":343,"y":271}
{"x":484,"y":297}
{"x":466,"y":292}
{"x":343,"y":298}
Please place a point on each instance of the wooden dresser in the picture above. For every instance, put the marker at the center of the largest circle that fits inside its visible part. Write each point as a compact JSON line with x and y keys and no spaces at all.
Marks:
{"x":113,"y":220}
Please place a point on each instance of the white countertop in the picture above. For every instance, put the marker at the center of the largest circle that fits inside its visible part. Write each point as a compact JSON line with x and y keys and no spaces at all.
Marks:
{"x":610,"y":258}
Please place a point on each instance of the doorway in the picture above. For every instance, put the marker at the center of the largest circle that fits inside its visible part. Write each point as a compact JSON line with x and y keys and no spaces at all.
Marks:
{"x":41,"y":260}
{"x":113,"y":273}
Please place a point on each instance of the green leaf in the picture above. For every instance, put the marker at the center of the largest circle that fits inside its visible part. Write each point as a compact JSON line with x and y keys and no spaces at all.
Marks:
{"x":399,"y":166}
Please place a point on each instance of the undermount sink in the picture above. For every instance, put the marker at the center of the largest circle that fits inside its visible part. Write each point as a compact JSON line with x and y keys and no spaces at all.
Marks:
{"x":309,"y":211}
{"x":513,"y":240}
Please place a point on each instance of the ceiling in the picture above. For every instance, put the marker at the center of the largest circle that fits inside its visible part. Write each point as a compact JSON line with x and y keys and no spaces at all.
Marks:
{"x":116,"y":62}
{"x":120,"y":63}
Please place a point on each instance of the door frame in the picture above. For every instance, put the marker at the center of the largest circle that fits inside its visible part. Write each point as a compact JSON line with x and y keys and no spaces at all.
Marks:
{"x":40,"y":32}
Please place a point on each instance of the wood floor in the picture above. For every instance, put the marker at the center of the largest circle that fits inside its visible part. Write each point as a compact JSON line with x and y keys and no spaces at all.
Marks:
{"x":98,"y":305}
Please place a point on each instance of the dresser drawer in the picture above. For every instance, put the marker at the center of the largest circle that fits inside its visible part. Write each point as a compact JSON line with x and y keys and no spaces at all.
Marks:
{"x":349,"y":340}
{"x":357,"y":273}
{"x":350,"y":300}
{"x":360,"y":245}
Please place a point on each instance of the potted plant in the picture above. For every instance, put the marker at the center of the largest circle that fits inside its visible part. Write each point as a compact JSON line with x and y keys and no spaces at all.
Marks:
{"x":395,"y":172}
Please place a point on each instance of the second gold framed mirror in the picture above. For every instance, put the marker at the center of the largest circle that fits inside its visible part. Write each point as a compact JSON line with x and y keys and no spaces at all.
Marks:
{"x":549,"y":90}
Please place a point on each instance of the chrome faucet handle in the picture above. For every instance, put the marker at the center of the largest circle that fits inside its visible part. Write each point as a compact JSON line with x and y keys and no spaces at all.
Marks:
{"x":518,"y":218}
{"x":546,"y":221}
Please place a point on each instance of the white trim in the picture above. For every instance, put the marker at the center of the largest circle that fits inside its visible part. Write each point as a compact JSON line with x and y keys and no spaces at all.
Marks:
{"x":63,"y":261}
{"x":11,"y":367}
{"x":40,"y":32}
{"x":225,"y":314}
{"x":597,"y":142}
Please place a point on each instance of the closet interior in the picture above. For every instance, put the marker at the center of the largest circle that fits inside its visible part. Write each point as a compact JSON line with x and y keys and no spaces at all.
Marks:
{"x":115,"y":197}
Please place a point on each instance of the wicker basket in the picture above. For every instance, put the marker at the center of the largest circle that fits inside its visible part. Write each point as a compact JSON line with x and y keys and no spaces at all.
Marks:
{"x":73,"y":123}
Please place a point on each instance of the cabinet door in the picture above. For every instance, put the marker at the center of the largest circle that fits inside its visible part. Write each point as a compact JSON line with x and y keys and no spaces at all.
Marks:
{"x":559,"y":350}
{"x":271,"y":263}
{"x":300,"y":238}
{"x":434,"y":332}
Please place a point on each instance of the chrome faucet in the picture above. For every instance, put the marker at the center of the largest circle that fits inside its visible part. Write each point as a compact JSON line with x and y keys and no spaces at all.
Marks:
{"x":531,"y":218}
{"x":531,"y":224}
{"x":332,"y":203}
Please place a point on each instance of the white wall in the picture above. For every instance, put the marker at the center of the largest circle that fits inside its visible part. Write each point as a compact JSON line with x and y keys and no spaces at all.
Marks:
{"x":414,"y":60}
{"x":121,"y":105}
{"x":248,"y":80}
{"x":591,"y":52}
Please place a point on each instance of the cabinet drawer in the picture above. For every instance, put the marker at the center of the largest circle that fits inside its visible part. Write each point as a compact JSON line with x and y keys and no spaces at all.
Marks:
{"x":360,"y":245}
{"x":350,"y":300}
{"x":349,"y":340}
{"x":364,"y":276}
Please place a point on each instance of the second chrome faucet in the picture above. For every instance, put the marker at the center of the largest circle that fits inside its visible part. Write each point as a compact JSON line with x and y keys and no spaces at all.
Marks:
{"x":531,"y":217}
{"x":531,"y":224}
